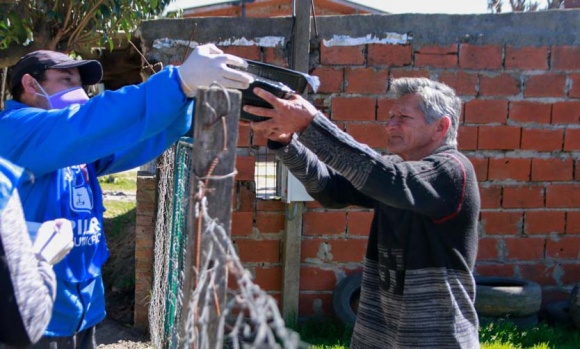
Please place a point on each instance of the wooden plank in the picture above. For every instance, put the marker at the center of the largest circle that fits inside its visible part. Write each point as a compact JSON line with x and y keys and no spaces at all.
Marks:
{"x":212,"y":176}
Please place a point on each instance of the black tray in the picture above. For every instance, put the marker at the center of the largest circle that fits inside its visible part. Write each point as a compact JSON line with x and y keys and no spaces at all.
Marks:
{"x":280,"y":82}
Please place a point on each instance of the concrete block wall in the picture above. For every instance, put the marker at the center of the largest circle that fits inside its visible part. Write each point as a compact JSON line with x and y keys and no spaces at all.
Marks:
{"x":520,"y":127}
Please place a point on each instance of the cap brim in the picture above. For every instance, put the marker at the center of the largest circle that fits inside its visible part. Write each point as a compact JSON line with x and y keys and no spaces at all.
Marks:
{"x":91,"y":71}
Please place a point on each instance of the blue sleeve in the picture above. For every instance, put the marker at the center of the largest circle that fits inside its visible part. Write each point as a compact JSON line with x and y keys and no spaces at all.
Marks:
{"x":110,"y":127}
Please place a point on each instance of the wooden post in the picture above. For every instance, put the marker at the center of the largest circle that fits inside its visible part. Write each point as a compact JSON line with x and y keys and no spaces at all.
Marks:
{"x":294,"y":210}
{"x":212,"y":175}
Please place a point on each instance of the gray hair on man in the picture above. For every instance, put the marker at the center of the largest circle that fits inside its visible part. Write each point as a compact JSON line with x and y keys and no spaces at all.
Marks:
{"x":437,"y":100}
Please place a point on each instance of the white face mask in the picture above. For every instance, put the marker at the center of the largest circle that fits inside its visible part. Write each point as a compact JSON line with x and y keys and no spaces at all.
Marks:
{"x":63,"y":99}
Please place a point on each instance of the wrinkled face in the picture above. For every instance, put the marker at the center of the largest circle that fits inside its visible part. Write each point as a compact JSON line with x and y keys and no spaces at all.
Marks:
{"x":410,"y":136}
{"x":57,"y":80}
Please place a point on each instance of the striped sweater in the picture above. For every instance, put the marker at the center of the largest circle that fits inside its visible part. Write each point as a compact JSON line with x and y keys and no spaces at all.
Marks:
{"x":418,"y":289}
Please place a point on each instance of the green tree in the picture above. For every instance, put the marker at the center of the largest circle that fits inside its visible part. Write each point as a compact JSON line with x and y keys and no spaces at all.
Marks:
{"x":495,"y":6}
{"x":68,"y":25}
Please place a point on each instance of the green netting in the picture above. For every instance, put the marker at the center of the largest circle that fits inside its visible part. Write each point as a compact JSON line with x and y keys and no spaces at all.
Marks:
{"x":178,"y":233}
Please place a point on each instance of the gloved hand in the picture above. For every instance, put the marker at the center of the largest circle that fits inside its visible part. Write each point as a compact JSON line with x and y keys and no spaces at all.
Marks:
{"x":54,"y":241}
{"x":208,"y":64}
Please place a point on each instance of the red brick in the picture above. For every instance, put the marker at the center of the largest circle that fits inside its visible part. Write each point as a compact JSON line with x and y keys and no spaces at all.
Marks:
{"x":436,"y":60}
{"x":480,"y":57}
{"x":315,"y":304}
{"x":526,"y":58}
{"x":575,"y":88}
{"x":336,"y":250}
{"x":482,"y":111}
{"x":502,"y":270}
{"x":268,"y":222}
{"x":545,"y":85}
{"x":490,"y":196}
{"x":565,"y":58}
{"x":499,"y":85}
{"x":342,"y":55}
{"x":243,"y":136}
{"x":366,"y":80}
{"x":487,"y":249}
{"x":259,"y":139}
{"x":509,"y":168}
{"x":242,"y":223}
{"x":566,"y":113}
{"x":570,"y":273}
{"x":270,"y":205}
{"x":258,"y":251}
{"x":247,"y":52}
{"x":317,"y":279}
{"x":524,"y":249}
{"x":384,"y":106}
{"x":573,"y":222}
{"x":353,"y":108}
{"x":480,"y":166}
{"x":467,"y":137}
{"x":373,"y":134}
{"x":499,"y":137}
{"x":463,"y":83}
{"x":276,"y":56}
{"x":390,"y":55}
{"x":539,"y":273}
{"x":525,"y":111}
{"x":244,"y":197}
{"x":359,"y":223}
{"x":544,"y":222}
{"x":577,"y":170}
{"x":552,"y":169}
{"x":408,"y":73}
{"x":245,"y":165}
{"x":502,"y":222}
{"x":439,"y":50}
{"x":563,"y":195}
{"x":331,"y":79}
{"x":324,"y":223}
{"x":523,"y":197}
{"x":565,"y":248}
{"x":572,"y":141}
{"x":542,"y":139}
{"x":269,"y":279}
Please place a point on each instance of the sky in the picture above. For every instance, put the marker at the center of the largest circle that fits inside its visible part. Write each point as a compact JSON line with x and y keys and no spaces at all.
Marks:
{"x":399,"y":6}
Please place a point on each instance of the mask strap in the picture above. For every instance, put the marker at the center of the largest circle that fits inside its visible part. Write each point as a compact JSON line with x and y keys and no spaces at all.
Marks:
{"x":43,"y":94}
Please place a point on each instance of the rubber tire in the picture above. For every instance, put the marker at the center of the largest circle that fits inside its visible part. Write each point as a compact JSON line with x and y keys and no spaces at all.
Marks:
{"x":574,"y":304}
{"x":345,"y":294}
{"x":506,"y":297}
{"x":558,"y":312}
{"x":527,"y":321}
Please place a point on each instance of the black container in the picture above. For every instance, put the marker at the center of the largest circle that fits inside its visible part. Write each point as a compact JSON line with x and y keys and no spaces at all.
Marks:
{"x":280,"y":82}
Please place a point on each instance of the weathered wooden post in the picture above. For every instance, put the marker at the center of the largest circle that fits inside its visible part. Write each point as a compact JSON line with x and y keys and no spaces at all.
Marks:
{"x":215,"y":134}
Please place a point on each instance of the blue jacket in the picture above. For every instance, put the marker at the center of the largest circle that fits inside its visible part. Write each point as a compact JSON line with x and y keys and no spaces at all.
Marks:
{"x":66,"y":149}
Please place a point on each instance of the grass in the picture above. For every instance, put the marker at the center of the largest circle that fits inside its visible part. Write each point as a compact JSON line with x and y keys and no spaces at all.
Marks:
{"x":327,"y":334}
{"x":122,"y":181}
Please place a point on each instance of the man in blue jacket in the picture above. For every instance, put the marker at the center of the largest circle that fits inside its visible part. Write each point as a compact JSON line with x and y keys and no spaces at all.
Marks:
{"x":67,"y":141}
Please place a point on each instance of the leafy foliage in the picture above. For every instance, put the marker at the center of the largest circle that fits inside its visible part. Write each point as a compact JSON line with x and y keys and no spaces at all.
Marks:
{"x":495,"y":6}
{"x":68,"y":25}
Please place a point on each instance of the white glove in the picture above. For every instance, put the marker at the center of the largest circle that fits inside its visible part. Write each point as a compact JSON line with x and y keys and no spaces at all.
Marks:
{"x":208,"y":64}
{"x":54,"y":240}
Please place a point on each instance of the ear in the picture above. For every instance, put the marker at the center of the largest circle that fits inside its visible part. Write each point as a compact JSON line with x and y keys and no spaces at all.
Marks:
{"x":443,"y":126}
{"x":29,"y":84}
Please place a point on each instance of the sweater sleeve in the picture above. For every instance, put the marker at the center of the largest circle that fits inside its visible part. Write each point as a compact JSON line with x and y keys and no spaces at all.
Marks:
{"x":433,"y":186}
{"x":28,"y":286}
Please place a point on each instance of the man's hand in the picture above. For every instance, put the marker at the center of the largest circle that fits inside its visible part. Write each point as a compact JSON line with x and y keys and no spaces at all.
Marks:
{"x":208,"y":64}
{"x":54,"y":241}
{"x":287,"y":116}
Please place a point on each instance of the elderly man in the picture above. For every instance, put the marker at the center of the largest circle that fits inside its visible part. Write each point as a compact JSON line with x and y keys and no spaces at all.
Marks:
{"x":66,"y":141}
{"x":418,"y":289}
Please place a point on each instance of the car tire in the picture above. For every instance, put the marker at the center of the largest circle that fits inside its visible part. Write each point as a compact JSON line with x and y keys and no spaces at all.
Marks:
{"x":345,"y":299}
{"x":507,"y":297}
{"x":558,"y":313}
{"x":574,"y":305}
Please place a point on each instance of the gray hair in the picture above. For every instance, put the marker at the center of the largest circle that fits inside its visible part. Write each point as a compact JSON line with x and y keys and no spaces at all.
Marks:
{"x":437,"y":100}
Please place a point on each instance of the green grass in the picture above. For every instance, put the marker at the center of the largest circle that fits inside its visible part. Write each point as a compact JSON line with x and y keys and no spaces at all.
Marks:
{"x":122,"y":181}
{"x":327,"y":334}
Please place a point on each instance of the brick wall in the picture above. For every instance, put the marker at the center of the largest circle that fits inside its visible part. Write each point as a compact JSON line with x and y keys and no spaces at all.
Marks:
{"x":520,"y":128}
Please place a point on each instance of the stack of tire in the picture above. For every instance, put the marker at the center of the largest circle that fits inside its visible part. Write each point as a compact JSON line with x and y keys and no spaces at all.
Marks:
{"x":574,"y":305}
{"x":512,"y":300}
